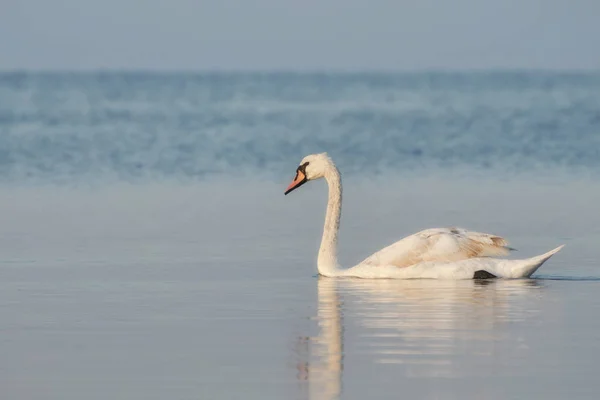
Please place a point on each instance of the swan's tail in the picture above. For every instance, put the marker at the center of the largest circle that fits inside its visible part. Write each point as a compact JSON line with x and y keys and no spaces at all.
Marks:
{"x":526,"y":268}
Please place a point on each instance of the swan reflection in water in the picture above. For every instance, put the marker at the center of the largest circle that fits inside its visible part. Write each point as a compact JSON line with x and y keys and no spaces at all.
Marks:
{"x":424,"y":328}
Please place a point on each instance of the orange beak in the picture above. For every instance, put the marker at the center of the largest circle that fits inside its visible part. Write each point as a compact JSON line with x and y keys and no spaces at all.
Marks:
{"x":298,"y":181}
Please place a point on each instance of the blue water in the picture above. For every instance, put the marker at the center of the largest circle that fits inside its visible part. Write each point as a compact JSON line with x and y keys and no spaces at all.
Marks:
{"x":187,"y":274}
{"x":57,"y":127}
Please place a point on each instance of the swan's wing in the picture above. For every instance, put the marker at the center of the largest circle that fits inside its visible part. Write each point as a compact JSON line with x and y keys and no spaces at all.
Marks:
{"x":440,"y":245}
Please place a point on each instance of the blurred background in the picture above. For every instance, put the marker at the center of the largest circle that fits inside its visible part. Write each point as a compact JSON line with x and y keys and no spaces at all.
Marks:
{"x":130,"y":90}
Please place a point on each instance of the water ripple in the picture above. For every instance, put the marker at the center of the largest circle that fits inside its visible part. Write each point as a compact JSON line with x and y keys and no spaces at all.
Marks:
{"x":131,"y":126}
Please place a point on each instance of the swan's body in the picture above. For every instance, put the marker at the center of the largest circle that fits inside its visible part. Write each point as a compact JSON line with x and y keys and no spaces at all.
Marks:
{"x":440,"y":253}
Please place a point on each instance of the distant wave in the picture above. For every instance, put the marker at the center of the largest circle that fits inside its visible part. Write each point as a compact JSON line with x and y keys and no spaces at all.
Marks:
{"x":128,"y":126}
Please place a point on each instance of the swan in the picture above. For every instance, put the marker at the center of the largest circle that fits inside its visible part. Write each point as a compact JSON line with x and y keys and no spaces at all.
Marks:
{"x":438,"y":253}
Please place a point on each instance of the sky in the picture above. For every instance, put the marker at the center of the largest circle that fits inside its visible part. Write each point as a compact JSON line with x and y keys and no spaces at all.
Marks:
{"x":299,"y":34}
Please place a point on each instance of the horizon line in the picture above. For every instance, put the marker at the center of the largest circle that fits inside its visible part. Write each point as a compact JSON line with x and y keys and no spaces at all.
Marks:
{"x":297,"y":71}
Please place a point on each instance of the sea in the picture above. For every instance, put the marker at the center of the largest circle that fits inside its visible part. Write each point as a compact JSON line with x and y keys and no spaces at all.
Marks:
{"x":147,"y":250}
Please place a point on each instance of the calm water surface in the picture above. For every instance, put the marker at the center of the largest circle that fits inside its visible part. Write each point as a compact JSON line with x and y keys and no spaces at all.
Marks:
{"x":147,"y":250}
{"x":209,"y":291}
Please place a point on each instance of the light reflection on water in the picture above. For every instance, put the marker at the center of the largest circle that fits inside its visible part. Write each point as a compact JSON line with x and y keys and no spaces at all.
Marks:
{"x":434,"y":329}
{"x":206,"y":291}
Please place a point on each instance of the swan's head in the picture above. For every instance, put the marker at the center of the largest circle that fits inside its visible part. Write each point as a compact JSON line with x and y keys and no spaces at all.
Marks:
{"x":311,"y":167}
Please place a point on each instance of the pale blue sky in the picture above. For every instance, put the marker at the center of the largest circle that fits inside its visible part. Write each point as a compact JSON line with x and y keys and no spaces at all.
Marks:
{"x":299,"y":34}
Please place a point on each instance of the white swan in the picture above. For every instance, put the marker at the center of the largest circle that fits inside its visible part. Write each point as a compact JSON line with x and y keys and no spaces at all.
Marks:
{"x":439,"y":253}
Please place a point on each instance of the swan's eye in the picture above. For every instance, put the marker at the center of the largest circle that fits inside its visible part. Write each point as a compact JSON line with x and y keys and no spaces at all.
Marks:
{"x":302,"y":168}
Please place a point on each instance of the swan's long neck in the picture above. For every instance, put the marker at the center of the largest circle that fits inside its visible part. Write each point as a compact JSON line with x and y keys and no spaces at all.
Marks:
{"x":327,"y":263}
